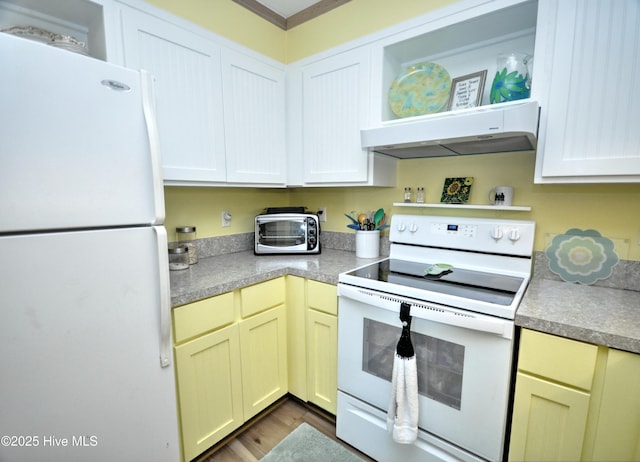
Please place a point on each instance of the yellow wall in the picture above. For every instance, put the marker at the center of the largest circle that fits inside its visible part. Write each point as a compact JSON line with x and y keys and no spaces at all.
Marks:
{"x":203,"y":207}
{"x":611,"y":209}
{"x":230,"y":20}
{"x":352,"y":20}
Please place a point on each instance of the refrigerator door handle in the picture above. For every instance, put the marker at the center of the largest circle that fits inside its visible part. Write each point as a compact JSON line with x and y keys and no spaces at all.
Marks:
{"x":165,"y":296}
{"x":149,"y":110}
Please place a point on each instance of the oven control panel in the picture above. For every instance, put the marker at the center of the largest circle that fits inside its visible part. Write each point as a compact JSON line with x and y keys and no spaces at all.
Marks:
{"x":509,"y":237}
{"x":446,"y":229}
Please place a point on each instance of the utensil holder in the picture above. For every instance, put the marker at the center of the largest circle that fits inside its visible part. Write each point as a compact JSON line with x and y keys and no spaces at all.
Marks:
{"x":368,"y":244}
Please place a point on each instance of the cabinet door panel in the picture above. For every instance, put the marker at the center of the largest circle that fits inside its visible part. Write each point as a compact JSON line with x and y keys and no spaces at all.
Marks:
{"x":263,"y":340}
{"x":549,"y":421}
{"x":254,"y":112}
{"x":188,"y":91}
{"x":296,"y":336}
{"x":322,"y":360}
{"x":209,"y":389}
{"x":618,"y":430}
{"x":589,"y":109}
{"x":335,"y":108}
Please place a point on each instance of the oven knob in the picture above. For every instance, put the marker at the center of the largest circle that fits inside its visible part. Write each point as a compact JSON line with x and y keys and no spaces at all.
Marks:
{"x":413,"y":228}
{"x":497,"y":233}
{"x":311,"y":231}
{"x":402,"y":227}
{"x":514,"y":234}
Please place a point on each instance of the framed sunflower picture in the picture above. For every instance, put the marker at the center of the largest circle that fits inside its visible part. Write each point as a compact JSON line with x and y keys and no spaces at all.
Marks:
{"x":456,"y":190}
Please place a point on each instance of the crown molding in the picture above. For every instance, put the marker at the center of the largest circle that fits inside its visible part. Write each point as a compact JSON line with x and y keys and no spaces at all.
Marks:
{"x":305,"y":15}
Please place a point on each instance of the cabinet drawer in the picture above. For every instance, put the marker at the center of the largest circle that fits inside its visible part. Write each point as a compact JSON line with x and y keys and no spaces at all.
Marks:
{"x":202,"y":316}
{"x":322,"y":297}
{"x":263,"y":296}
{"x":559,"y":359}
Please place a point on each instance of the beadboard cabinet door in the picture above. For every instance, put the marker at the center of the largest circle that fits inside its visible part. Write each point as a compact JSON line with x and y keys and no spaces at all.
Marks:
{"x":618,"y":429}
{"x":336,"y":106}
{"x":322,"y":345}
{"x":263,"y":353}
{"x":549,"y":421}
{"x":587,"y":54}
{"x":254,"y":120}
{"x":322,"y":359}
{"x":188,"y":90}
{"x":209,"y":379}
{"x":553,"y":394}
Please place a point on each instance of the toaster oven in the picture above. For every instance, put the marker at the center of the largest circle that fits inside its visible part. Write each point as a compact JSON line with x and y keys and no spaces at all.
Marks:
{"x":283,"y":231}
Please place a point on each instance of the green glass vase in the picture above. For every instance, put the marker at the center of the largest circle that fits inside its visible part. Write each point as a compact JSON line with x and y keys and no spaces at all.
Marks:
{"x":512,"y":81}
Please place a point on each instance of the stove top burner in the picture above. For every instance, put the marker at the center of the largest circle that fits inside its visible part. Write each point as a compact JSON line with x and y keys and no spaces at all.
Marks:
{"x":475,"y":285}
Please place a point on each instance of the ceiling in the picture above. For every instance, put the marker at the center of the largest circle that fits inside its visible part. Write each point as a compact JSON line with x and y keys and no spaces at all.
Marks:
{"x":287,"y":8}
{"x":290,"y":13}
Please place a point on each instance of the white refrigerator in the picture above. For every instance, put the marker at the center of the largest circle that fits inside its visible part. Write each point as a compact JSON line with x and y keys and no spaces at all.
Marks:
{"x":86,"y":370}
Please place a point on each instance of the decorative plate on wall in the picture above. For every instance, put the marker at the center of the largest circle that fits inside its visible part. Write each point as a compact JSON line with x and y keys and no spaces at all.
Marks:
{"x":420,"y":89}
{"x":456,"y":190}
{"x":582,"y":256}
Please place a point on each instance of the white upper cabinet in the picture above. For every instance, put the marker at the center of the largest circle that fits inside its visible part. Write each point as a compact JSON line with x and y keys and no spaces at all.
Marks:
{"x":254,"y":119}
{"x":331,"y":104}
{"x":188,"y":95}
{"x":587,"y":59}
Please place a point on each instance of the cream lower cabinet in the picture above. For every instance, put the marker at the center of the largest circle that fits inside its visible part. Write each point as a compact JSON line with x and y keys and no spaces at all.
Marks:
{"x":552,"y":394}
{"x":209,"y":381}
{"x":239,"y":352}
{"x":231,"y":361}
{"x":549,"y":421}
{"x":208,"y":372}
{"x":313,"y":341}
{"x":322,"y":345}
{"x":574,"y":402}
{"x":263,"y":351}
{"x":617,"y":433}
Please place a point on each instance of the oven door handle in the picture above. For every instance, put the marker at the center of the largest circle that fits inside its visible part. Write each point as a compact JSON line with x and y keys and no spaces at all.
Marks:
{"x":501,"y":327}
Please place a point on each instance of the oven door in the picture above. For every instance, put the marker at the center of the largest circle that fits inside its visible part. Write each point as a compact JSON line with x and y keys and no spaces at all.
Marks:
{"x":463,"y":361}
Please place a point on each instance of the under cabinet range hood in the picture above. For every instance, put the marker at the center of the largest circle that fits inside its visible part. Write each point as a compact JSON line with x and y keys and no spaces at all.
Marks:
{"x":504,"y":127}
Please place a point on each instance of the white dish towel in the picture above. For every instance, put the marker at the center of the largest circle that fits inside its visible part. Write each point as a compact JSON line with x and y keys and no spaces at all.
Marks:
{"x":402,"y":416}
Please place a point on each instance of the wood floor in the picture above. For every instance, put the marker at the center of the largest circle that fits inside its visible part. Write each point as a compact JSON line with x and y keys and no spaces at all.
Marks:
{"x":266,"y":431}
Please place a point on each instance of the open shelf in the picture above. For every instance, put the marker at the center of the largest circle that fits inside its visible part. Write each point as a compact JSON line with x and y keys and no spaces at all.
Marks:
{"x":468,"y":46}
{"x":511,"y":208}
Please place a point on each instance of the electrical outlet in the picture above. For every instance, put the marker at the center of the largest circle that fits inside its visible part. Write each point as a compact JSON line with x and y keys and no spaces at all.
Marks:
{"x":322,"y":213}
{"x":226,"y":219}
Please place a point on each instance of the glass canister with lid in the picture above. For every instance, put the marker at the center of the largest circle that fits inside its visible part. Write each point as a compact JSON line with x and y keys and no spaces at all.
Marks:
{"x":186,"y":236}
{"x":178,"y":258}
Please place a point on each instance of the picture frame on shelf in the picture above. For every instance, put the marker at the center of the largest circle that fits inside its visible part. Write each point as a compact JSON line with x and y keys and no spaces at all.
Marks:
{"x":467,"y":91}
{"x":456,"y":190}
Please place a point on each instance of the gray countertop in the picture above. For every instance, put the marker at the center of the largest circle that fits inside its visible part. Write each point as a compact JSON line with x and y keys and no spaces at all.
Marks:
{"x":599,"y":315}
{"x":223,"y":273}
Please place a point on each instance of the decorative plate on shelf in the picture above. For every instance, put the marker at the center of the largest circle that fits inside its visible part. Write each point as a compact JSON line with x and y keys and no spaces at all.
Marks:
{"x":420,"y":89}
{"x":582,"y":256}
{"x":456,"y":190}
{"x":30,"y":32}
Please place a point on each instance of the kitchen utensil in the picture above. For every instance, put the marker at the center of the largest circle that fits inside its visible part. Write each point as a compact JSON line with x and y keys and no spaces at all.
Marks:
{"x":378,"y":217}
